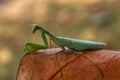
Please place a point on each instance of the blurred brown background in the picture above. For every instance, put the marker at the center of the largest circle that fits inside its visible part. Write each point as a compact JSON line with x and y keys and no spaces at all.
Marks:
{"x":97,"y":20}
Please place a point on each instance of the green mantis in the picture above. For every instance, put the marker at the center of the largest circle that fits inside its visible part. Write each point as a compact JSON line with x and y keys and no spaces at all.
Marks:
{"x":62,"y":42}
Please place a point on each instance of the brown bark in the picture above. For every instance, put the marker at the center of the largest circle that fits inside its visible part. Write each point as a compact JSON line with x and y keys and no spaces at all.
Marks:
{"x":42,"y":65}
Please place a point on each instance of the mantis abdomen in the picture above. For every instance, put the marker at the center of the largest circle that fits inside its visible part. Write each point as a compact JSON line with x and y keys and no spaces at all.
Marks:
{"x":79,"y":44}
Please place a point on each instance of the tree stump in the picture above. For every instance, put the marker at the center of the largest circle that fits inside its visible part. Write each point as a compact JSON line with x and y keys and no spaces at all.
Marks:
{"x":42,"y":65}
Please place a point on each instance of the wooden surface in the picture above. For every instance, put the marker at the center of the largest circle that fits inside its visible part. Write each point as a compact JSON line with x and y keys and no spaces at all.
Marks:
{"x":42,"y":65}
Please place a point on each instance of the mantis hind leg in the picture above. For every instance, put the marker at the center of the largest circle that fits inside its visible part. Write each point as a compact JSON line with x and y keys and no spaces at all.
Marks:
{"x":97,"y":67}
{"x":94,"y":65}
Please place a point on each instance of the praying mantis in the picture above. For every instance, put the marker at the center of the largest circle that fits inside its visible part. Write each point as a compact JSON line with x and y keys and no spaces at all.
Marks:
{"x":62,"y":42}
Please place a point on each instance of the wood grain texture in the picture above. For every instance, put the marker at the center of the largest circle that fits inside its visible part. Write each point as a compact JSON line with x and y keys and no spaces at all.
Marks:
{"x":42,"y":65}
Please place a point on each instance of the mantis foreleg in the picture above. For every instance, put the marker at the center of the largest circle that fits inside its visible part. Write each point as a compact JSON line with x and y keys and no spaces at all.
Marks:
{"x":44,"y":39}
{"x":29,"y":47}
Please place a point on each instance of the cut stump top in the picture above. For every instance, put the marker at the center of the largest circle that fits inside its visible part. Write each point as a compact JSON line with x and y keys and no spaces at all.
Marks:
{"x":42,"y":65}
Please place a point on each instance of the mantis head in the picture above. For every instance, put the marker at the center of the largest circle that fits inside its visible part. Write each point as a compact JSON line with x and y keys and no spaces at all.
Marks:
{"x":34,"y":27}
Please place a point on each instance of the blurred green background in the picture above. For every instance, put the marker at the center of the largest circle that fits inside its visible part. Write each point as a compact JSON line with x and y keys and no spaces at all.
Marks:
{"x":97,"y":20}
